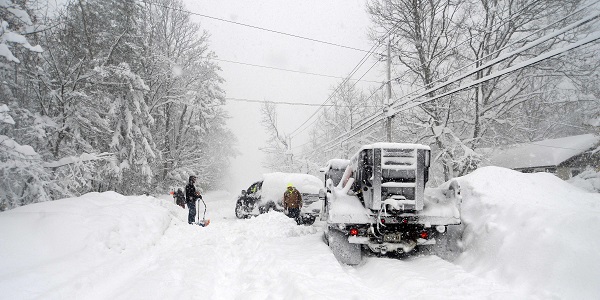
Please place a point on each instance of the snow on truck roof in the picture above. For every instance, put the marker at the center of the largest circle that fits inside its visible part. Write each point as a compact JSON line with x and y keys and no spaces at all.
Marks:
{"x":336,"y":164}
{"x":395,"y":146}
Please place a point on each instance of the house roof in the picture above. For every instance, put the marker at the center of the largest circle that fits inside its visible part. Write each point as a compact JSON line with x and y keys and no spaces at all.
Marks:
{"x":540,"y":154}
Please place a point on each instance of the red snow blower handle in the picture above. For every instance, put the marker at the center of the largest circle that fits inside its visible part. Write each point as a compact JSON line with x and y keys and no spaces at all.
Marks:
{"x":204,"y":222}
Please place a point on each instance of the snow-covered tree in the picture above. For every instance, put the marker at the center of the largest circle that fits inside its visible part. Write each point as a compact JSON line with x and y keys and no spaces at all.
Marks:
{"x":185,"y":97}
{"x":125,"y":97}
{"x":23,"y":176}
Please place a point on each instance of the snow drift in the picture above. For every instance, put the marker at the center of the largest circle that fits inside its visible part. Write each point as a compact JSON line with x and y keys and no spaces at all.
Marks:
{"x":48,"y":245}
{"x":534,"y":231}
{"x":524,"y":236}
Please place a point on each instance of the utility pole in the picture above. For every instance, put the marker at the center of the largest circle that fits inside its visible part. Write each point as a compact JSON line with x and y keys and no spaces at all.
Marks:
{"x":289,"y":151}
{"x":388,"y":124}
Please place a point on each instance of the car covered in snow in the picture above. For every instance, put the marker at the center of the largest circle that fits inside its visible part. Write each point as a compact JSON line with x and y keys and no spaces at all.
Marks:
{"x":267,"y":194}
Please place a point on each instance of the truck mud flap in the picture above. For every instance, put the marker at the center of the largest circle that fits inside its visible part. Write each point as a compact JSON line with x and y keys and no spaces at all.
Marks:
{"x":344,"y":251}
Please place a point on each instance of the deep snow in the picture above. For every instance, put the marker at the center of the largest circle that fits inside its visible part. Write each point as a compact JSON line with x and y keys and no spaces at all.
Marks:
{"x":525,"y":236}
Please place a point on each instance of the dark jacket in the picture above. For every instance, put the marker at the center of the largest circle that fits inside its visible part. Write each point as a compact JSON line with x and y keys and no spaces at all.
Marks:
{"x":179,"y":197}
{"x":292,"y":199}
{"x":190,"y":193}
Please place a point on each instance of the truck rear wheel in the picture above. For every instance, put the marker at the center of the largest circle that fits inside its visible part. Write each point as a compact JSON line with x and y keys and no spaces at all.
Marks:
{"x":344,"y":251}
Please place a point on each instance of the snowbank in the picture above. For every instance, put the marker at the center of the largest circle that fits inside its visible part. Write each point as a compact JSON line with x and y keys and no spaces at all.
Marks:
{"x":533,"y":231}
{"x":65,"y":239}
{"x":442,"y":202}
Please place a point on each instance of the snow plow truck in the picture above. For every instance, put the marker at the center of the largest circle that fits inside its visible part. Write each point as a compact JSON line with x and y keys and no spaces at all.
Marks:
{"x":380,"y":204}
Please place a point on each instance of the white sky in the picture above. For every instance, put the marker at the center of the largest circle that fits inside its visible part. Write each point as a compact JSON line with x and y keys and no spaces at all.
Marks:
{"x":342,"y":22}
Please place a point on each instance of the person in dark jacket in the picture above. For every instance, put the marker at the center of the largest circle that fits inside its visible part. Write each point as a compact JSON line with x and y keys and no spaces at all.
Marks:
{"x":292,"y":203}
{"x":179,"y":198}
{"x":190,"y":198}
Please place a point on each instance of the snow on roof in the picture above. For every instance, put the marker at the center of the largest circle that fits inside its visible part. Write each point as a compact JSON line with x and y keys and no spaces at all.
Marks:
{"x":551,"y":152}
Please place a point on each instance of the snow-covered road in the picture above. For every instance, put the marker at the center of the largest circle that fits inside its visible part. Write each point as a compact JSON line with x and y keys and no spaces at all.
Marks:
{"x":108,"y":246}
{"x":270,"y":257}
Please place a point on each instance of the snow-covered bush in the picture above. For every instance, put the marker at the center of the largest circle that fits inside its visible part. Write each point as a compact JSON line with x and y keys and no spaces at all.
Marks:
{"x":588,"y":180}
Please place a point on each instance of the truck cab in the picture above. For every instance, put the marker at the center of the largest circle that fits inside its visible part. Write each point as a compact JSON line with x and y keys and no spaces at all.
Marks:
{"x":334,"y":170}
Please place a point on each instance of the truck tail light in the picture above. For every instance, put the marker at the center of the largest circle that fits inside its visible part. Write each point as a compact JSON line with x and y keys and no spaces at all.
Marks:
{"x":353,"y":231}
{"x":424,"y":235}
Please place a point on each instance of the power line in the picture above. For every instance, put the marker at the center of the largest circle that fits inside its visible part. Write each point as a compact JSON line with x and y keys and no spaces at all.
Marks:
{"x":521,"y":65}
{"x":499,"y":59}
{"x":323,"y":105}
{"x":440,"y":80}
{"x":357,"y":125}
{"x":422,"y":87}
{"x":254,"y":27}
{"x":534,"y":60}
{"x":375,"y":117}
{"x":331,"y":96}
{"x":497,"y":74}
{"x":289,"y":103}
{"x":368,"y":53}
{"x":288,"y":70}
{"x":361,"y":123}
{"x":354,"y":70}
{"x":502,"y":48}
{"x":558,"y":123}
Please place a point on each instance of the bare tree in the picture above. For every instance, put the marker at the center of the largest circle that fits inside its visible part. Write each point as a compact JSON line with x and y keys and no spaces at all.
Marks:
{"x":348,"y":108}
{"x":424,"y":35}
{"x":278,"y":152}
{"x":435,"y":40}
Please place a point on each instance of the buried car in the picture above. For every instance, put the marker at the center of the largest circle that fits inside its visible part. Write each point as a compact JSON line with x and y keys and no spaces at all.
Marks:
{"x":267,"y":194}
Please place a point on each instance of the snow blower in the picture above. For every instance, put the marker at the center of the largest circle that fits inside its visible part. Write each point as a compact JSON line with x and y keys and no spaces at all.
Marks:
{"x":204,"y":222}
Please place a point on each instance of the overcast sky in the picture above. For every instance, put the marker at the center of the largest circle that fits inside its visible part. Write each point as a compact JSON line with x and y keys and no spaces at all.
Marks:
{"x":342,"y":22}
